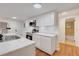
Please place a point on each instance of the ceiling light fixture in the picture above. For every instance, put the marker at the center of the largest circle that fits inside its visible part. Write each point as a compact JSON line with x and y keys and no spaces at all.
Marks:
{"x":13,"y":17}
{"x":37,"y":5}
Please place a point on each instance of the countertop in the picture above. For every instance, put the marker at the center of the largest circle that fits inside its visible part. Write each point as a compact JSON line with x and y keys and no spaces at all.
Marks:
{"x":13,"y":45}
{"x":47,"y":34}
{"x":9,"y":34}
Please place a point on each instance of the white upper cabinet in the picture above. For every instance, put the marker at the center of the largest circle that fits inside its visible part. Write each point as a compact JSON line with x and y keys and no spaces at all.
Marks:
{"x":46,"y":20}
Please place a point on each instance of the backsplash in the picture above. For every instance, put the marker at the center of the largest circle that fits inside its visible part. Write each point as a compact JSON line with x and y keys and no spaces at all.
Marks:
{"x":48,"y":29}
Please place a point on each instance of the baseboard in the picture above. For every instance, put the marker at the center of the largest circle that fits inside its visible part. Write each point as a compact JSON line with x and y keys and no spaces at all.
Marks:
{"x":46,"y":52}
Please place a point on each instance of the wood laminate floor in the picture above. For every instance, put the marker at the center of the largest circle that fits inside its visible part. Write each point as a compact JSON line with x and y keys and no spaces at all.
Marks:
{"x":65,"y":50}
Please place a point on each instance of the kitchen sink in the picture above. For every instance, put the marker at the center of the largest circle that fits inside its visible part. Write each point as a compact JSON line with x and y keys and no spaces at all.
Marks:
{"x":8,"y":38}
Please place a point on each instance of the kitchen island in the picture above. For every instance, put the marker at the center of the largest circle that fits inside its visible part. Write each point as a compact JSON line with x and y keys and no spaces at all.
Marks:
{"x":20,"y":47}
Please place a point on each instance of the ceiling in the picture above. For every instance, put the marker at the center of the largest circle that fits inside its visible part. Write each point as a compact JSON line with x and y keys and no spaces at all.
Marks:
{"x":25,"y":10}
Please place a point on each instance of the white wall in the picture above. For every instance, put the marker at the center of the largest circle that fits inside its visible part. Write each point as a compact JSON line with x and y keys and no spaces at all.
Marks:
{"x":14,"y":25}
{"x":61,"y":34}
{"x":27,"y":27}
{"x":62,"y":18}
{"x":73,"y":12}
{"x":77,"y":31}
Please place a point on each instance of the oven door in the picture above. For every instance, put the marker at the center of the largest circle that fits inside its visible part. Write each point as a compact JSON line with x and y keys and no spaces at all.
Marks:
{"x":29,"y":37}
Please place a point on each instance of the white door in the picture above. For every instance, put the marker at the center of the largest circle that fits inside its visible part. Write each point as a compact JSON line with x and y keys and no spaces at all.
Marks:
{"x":77,"y":31}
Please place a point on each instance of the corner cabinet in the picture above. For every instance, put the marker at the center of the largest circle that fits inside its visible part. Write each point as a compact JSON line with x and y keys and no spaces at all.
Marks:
{"x":47,"y":20}
{"x":46,"y":43}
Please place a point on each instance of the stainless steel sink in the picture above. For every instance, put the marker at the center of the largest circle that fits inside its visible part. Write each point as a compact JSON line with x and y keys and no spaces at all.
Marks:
{"x":8,"y":38}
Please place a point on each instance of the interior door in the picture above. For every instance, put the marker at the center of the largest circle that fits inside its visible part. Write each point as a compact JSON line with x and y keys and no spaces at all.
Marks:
{"x":69,"y":48}
{"x":69,"y":31}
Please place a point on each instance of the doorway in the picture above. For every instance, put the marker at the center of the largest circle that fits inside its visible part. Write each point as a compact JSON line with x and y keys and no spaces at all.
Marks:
{"x":69,"y":31}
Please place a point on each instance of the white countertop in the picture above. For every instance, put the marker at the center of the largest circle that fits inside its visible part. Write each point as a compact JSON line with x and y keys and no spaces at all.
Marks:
{"x":12,"y":45}
{"x":9,"y":34}
{"x":47,"y":34}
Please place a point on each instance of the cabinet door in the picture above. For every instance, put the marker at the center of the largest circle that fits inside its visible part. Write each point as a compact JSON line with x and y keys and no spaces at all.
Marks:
{"x":45,"y":44}
{"x":38,"y":22}
{"x":49,"y":20}
{"x":36,"y":38}
{"x":45,"y":20}
{"x":38,"y":41}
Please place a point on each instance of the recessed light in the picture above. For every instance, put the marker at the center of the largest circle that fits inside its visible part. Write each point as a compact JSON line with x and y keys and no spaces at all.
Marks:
{"x":37,"y":5}
{"x":13,"y":17}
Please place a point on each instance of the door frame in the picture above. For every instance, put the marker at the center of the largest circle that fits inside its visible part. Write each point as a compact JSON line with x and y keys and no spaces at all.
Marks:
{"x":61,"y":35}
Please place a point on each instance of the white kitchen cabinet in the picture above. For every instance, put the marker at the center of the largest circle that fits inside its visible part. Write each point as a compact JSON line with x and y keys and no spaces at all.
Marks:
{"x":39,"y":21}
{"x":76,"y":36}
{"x":36,"y":39}
{"x":46,"y":20}
{"x":46,"y":43}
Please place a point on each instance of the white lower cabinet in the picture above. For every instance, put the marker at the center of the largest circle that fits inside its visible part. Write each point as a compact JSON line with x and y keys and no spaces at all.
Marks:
{"x":45,"y":43}
{"x":36,"y":38}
